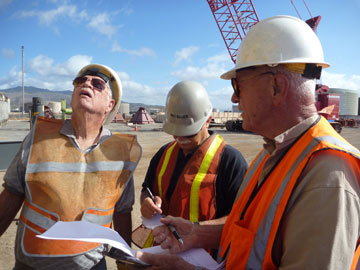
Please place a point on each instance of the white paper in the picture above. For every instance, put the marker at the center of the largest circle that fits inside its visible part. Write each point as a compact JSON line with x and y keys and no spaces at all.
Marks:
{"x":152,"y":223}
{"x":86,"y":231}
{"x":90,"y":232}
{"x":195,"y":256}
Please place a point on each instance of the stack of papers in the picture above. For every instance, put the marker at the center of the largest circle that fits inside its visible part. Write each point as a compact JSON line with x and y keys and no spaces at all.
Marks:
{"x":90,"y":232}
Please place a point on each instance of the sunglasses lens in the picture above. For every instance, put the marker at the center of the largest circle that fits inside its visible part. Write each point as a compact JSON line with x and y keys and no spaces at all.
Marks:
{"x":79,"y":80}
{"x":235,"y":87}
{"x":97,"y":83}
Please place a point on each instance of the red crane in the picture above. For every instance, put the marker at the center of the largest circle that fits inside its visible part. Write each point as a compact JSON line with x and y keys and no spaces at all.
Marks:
{"x":234,"y":19}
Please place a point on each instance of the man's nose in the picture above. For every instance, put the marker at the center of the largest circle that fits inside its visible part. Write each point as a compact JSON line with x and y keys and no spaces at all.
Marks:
{"x":234,"y":98}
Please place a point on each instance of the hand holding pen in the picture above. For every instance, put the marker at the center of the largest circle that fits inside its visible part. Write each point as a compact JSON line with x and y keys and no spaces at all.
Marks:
{"x":171,"y":228}
{"x":150,"y":205}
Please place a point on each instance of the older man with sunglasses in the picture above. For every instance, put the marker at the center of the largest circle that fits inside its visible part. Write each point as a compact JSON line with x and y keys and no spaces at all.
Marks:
{"x":69,"y":171}
{"x":197,"y":175}
{"x":299,"y":205}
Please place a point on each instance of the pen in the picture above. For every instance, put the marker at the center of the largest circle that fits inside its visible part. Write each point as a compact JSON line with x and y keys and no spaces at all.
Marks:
{"x":172,"y":228}
{"x":148,"y":191}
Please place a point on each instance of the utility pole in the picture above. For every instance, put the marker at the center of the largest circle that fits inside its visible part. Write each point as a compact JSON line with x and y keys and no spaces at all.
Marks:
{"x":23,"y":107}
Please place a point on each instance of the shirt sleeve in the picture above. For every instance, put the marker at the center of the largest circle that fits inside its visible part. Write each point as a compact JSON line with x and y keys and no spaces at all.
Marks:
{"x":231,"y":170}
{"x":14,"y":178}
{"x":320,"y":228}
{"x":127,"y":199}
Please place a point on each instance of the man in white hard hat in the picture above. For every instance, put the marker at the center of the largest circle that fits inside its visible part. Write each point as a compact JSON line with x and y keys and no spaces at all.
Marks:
{"x":185,"y":177}
{"x":69,"y":171}
{"x":299,"y":205}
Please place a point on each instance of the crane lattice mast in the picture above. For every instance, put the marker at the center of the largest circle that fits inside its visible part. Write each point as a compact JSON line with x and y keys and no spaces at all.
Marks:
{"x":234,"y":19}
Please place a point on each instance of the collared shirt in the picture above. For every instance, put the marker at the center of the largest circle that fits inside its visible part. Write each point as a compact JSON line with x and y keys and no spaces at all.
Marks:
{"x":323,"y":212}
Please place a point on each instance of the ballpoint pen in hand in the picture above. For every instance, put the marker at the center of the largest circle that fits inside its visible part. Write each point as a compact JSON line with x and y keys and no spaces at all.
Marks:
{"x":171,"y":227}
{"x":148,"y":191}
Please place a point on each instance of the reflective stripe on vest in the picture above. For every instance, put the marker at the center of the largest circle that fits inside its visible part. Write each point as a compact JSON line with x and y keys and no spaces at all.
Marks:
{"x":261,"y":222}
{"x":62,"y":183}
{"x":164,"y":166}
{"x":250,"y":172}
{"x":195,"y":188}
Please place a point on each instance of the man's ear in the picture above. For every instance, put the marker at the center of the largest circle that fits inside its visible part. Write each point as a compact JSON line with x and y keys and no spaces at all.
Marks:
{"x":111,"y":105}
{"x":280,"y":88}
{"x":208,"y":121}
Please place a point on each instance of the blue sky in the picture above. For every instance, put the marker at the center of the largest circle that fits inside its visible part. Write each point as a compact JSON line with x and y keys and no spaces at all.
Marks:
{"x":153,"y":44}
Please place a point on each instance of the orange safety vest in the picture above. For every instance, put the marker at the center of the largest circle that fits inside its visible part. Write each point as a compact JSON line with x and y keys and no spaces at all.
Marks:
{"x":62,"y":183}
{"x":194,"y":195}
{"x":249,"y":233}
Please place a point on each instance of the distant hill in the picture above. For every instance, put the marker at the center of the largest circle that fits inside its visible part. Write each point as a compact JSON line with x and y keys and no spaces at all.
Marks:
{"x":15,"y":95}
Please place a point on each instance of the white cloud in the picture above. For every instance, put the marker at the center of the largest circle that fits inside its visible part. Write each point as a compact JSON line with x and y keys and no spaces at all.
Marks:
{"x":345,"y":81}
{"x":12,"y":78}
{"x":123,"y":76}
{"x":42,"y":71}
{"x":7,"y":53}
{"x":139,"y":52}
{"x":216,"y":65}
{"x":135,"y":92}
{"x":185,"y":54}
{"x":221,"y":98}
{"x":50,"y":16}
{"x":101,"y":23}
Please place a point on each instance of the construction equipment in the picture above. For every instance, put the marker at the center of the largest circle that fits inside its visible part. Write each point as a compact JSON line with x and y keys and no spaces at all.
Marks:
{"x":328,"y":105}
{"x":234,"y":18}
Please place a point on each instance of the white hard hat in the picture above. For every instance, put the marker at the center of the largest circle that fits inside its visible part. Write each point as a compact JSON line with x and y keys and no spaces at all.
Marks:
{"x":187,"y":108}
{"x":278,"y":40}
{"x":111,"y":77}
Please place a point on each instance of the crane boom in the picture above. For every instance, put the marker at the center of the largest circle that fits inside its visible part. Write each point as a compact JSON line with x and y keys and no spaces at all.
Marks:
{"x":234,"y":19}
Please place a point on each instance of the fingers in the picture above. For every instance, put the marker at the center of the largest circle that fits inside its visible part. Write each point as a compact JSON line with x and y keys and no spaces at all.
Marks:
{"x":163,"y":261}
{"x":149,"y":208}
{"x":158,"y":202}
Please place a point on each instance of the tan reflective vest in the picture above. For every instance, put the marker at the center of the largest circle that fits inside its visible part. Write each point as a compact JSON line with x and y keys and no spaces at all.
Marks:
{"x":64,"y":184}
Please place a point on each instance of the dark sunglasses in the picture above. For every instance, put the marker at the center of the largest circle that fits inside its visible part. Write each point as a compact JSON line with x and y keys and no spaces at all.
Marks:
{"x":235,"y":82}
{"x":95,"y":82}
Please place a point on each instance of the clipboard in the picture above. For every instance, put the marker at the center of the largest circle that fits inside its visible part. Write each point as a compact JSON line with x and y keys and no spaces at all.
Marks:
{"x":125,"y":258}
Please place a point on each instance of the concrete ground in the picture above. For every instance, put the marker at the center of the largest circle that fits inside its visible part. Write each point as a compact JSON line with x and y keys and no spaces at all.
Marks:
{"x":151,"y":138}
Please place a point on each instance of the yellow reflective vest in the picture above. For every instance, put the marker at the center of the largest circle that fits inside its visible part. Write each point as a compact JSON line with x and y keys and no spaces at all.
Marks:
{"x":194,"y":194}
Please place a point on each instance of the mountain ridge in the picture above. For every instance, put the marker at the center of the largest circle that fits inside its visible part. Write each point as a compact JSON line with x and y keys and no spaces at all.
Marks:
{"x":46,"y":95}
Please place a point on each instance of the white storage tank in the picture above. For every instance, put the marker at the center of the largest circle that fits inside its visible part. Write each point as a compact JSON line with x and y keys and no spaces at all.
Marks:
{"x":348,"y":101}
{"x":124,"y":108}
{"x":54,"y":106}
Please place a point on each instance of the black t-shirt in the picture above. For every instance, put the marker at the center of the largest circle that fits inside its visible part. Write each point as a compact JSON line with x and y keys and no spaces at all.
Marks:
{"x":230,"y":173}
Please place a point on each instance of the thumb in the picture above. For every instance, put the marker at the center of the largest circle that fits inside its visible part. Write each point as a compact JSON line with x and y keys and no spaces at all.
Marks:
{"x":144,"y":256}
